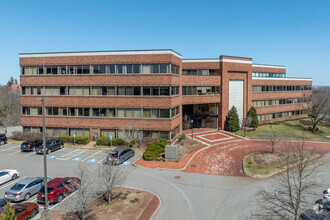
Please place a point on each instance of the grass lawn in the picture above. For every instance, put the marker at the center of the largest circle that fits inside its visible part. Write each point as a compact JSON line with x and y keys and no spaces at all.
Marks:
{"x":267,"y":169}
{"x":290,"y":130}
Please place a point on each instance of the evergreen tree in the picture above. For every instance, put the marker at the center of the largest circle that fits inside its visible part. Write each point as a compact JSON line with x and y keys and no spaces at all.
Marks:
{"x":8,"y":213}
{"x":232,"y":121}
{"x":11,"y":81}
{"x":252,"y":113}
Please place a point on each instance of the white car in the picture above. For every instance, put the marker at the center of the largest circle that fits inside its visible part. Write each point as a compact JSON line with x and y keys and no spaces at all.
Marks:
{"x":7,"y":175}
{"x":326,"y":194}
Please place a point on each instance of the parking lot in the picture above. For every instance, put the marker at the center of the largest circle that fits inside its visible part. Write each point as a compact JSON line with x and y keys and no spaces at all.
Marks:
{"x":60,"y":163}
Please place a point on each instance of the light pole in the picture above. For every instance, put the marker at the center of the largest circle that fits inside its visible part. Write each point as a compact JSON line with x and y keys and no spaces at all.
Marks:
{"x":192,"y":128}
{"x":44,"y":146}
{"x":244,"y":124}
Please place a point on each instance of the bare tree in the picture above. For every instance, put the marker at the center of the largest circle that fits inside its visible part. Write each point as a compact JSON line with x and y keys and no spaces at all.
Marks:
{"x":86,"y":192}
{"x":130,"y":132}
{"x":274,"y":137}
{"x":290,"y":194}
{"x":111,"y":176}
{"x":186,"y":124}
{"x":319,"y":107}
{"x":9,"y":107}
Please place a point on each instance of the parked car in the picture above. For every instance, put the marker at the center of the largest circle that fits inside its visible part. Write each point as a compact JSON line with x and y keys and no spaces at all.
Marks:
{"x":310,"y":214}
{"x":30,"y":145}
{"x":58,"y":188}
{"x":3,"y":139}
{"x":326,"y":193}
{"x":51,"y":146}
{"x":25,"y":188}
{"x":119,"y":155}
{"x":7,"y":175}
{"x":3,"y":202}
{"x":24,"y":211}
{"x":323,"y":204}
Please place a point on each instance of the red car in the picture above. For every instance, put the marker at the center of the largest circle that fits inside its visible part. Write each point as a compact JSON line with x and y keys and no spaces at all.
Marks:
{"x":58,"y":188}
{"x":24,"y":210}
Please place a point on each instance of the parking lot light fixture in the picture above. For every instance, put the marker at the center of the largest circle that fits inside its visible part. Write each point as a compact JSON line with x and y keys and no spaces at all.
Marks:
{"x":44,"y":153}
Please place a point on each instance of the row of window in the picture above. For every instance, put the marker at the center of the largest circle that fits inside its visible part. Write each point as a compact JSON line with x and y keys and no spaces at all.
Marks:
{"x":281,"y":115}
{"x":85,"y":132}
{"x":201,"y":72}
{"x":102,"y":69}
{"x":262,"y":103}
{"x":200,"y":90}
{"x":103,"y":112}
{"x":96,"y":90}
{"x":279,"y":88}
{"x":277,"y":75}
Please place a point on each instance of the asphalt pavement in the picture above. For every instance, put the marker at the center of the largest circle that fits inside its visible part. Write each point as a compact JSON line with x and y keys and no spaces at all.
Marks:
{"x":183,"y":195}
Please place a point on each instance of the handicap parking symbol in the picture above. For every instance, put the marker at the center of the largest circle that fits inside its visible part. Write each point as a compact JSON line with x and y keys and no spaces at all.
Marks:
{"x":92,"y":160}
{"x":126,"y":163}
{"x":52,"y":156}
{"x":77,"y":159}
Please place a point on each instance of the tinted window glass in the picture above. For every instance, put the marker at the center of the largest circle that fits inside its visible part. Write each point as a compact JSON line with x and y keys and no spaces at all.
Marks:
{"x":17,"y":186}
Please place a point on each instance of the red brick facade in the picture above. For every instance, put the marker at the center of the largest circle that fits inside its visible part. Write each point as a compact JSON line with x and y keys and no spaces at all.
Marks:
{"x":227,"y":67}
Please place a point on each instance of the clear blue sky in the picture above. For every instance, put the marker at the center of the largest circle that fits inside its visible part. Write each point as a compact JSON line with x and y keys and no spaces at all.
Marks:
{"x":294,"y":33}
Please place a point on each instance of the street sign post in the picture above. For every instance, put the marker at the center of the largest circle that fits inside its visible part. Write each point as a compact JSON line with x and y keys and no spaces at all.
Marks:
{"x":110,"y":141}
{"x":74,"y":139}
{"x":140,"y":141}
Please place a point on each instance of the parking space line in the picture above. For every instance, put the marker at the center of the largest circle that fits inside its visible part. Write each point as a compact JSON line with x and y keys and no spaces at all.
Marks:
{"x":11,"y":182}
{"x":92,"y":155}
{"x":30,"y":153}
{"x":75,"y":155}
{"x":14,"y":153}
{"x":65,"y":155}
{"x":54,"y":206}
{"x":100,"y":161}
{"x":9,"y":148}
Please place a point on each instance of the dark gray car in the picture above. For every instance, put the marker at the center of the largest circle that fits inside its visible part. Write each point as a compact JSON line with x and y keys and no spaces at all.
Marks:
{"x":119,"y":155}
{"x":24,"y":189}
{"x":2,"y":203}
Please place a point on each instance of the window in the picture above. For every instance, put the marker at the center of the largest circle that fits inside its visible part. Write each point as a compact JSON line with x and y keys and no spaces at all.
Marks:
{"x":85,"y":69}
{"x":120,"y":90}
{"x":63,"y":70}
{"x":136,"y":68}
{"x":86,"y":112}
{"x":136,"y":90}
{"x":164,"y":113}
{"x":137,"y":113}
{"x":146,"y":91}
{"x":63,"y":90}
{"x":129,"y":113}
{"x":120,"y":113}
{"x":147,"y":69}
{"x":96,"y":111}
{"x":154,"y":91}
{"x":146,"y":113}
{"x":111,"y":90}
{"x":129,"y":91}
{"x":104,"y":90}
{"x":112,"y":69}
{"x":164,"y":91}
{"x":164,"y":68}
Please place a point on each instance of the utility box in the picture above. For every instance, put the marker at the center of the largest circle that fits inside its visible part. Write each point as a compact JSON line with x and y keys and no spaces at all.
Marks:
{"x":171,"y":151}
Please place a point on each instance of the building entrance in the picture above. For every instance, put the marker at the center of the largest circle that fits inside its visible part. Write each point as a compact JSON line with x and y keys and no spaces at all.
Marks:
{"x":202,"y":115}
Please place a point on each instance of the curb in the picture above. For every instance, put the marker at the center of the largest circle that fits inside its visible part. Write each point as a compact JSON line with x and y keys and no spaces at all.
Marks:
{"x":160,"y":201}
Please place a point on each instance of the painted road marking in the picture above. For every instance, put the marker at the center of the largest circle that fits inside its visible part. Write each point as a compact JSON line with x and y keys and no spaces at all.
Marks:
{"x":77,"y":158}
{"x":14,"y":153}
{"x":126,"y":163}
{"x":52,"y":156}
{"x":100,"y":161}
{"x":92,"y":155}
{"x":92,"y":160}
{"x":28,"y":154}
{"x":9,"y":148}
{"x":68,"y":155}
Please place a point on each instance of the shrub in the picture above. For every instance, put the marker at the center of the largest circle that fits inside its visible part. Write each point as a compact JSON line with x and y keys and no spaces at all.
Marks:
{"x":163,"y":142}
{"x":151,"y":155}
{"x":103,"y":141}
{"x":106,"y":141}
{"x":232,"y":121}
{"x":252,"y":113}
{"x":8,"y":213}
{"x":132,"y":143}
{"x":182,"y":136}
{"x":22,"y":136}
{"x":82,"y":140}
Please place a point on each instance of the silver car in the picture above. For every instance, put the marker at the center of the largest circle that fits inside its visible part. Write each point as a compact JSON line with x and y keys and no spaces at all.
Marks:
{"x":25,"y":188}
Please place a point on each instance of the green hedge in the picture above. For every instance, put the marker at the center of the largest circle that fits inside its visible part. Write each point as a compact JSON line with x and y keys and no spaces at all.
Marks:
{"x":155,"y":149}
{"x":106,"y":141}
{"x":79,"y":139}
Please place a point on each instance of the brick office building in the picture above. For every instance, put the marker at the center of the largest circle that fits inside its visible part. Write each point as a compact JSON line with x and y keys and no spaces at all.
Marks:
{"x":90,"y":93}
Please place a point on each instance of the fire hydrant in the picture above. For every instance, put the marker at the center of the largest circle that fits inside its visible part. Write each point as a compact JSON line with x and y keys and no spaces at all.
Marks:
{"x":250,"y":162}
